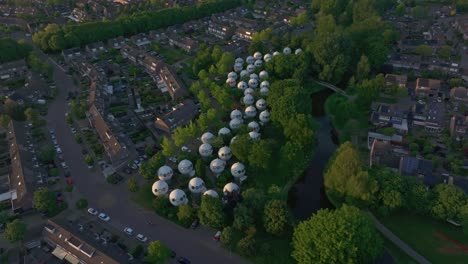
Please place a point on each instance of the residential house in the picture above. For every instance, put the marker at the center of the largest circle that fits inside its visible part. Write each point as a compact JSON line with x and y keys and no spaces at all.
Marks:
{"x":185,"y":43}
{"x":96,"y":47}
{"x":427,"y":87}
{"x":71,"y":54}
{"x":140,"y":40}
{"x":374,"y":136}
{"x":115,"y":151}
{"x":459,"y":127}
{"x":134,"y":55}
{"x":461,"y":25}
{"x":412,"y":166}
{"x":13,"y":70}
{"x":70,"y":248}
{"x":396,"y":80}
{"x":382,"y":154}
{"x":389,"y":115}
{"x":405,"y":62}
{"x":176,"y":90}
{"x":116,"y":43}
{"x":244,"y":33}
{"x":220,"y":30}
{"x":80,"y":15}
{"x":459,"y":95}
{"x":180,"y":115}
{"x":435,"y":121}
{"x":152,"y":66}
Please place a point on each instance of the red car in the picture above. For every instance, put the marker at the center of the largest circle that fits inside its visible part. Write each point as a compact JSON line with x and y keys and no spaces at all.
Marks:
{"x":217,"y":236}
{"x":69,"y":181}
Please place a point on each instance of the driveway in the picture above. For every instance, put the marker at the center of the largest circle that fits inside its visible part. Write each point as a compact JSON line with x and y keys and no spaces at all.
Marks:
{"x":196,"y":245}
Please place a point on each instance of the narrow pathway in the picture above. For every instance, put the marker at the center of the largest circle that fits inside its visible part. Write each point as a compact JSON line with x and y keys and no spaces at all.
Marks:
{"x":335,"y":89}
{"x":397,"y":241}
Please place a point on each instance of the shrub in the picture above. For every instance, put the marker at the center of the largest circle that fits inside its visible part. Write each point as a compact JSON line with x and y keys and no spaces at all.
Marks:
{"x":69,"y":188}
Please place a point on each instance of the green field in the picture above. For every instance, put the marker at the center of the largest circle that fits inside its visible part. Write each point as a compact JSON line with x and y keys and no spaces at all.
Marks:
{"x":399,"y":257}
{"x":435,"y":240}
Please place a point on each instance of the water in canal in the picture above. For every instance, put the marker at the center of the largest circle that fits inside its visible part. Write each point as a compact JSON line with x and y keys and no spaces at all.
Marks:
{"x":307,"y":195}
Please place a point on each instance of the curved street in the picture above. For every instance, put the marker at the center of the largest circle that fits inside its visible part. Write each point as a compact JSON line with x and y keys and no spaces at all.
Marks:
{"x":115,"y":200}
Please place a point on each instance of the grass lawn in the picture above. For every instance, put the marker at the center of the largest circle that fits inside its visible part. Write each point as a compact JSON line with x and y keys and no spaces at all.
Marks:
{"x":399,"y":257}
{"x":423,"y":235}
{"x":144,"y":196}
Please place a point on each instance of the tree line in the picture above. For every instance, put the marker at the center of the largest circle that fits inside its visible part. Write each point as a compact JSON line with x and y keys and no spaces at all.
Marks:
{"x":13,"y":50}
{"x":56,"y":38}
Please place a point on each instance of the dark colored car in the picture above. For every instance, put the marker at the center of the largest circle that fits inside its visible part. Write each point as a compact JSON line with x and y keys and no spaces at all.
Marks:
{"x":195,"y":223}
{"x":67,"y":173}
{"x":173,"y":254}
{"x":183,"y":260}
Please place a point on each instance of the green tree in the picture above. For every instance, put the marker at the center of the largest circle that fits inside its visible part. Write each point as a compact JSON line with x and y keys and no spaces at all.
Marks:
{"x":200,"y":168}
{"x":260,"y":154}
{"x":275,"y":217}
{"x":344,"y":235}
{"x":300,"y":129}
{"x":81,"y":204}
{"x":225,"y":63}
{"x":47,"y":155}
{"x":447,"y":201}
{"x":168,"y":148}
{"x":44,"y":200}
{"x":227,"y":235}
{"x":363,"y":68}
{"x":149,"y":151}
{"x":89,"y":160}
{"x":132,"y":184}
{"x":423,"y":50}
{"x":241,"y":148}
{"x":185,"y":214}
{"x":137,"y":251}
{"x":211,"y":212}
{"x":400,"y":9}
{"x":4,"y":121}
{"x":31,"y":114}
{"x":243,"y":217}
{"x":158,"y":253}
{"x":15,"y":231}
{"x":444,"y":52}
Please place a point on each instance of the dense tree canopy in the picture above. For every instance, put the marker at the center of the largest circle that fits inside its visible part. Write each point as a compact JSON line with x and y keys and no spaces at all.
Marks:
{"x":12,"y":50}
{"x":15,"y":231}
{"x":275,"y":217}
{"x":211,"y":212}
{"x":448,"y":200}
{"x":344,"y":235}
{"x":44,"y":200}
{"x":158,"y":253}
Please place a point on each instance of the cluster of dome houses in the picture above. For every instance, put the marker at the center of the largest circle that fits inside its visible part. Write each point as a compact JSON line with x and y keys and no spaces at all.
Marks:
{"x":253,"y":106}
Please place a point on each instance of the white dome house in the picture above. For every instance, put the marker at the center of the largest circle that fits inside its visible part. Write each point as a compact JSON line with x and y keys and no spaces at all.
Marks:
{"x":297,"y":51}
{"x":267,"y":57}
{"x":257,"y":55}
{"x":232,"y":75}
{"x":238,"y":170}
{"x":211,"y":193}
{"x":258,"y":63}
{"x":253,"y":83}
{"x":217,"y":166}
{"x":230,"y":188}
{"x":254,"y":76}
{"x":254,"y":135}
{"x":263,"y":75}
{"x":205,"y":150}
{"x":264,"y":116}
{"x":235,"y":123}
{"x":276,"y":53}
{"x":232,"y":140}
{"x":236,"y":114}
{"x":287,"y":51}
{"x":165,"y":173}
{"x":249,"y":91}
{"x":254,"y":126}
{"x":242,"y":85}
{"x":196,"y":185}
{"x":261,"y":104}
{"x":250,"y":68}
{"x":264,"y":84}
{"x":244,"y":73}
{"x":207,"y":137}
{"x":250,"y":60}
{"x":225,"y":153}
{"x":238,"y":67}
{"x":250,"y":111}
{"x":185,"y":167}
{"x":177,"y":197}
{"x":239,"y":60}
{"x":264,"y":91}
{"x":160,"y":188}
{"x":248,"y":99}
{"x":231,"y":82}
{"x":224,"y":131}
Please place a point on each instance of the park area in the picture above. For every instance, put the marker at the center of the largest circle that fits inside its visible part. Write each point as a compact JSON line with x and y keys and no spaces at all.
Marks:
{"x":439,"y":242}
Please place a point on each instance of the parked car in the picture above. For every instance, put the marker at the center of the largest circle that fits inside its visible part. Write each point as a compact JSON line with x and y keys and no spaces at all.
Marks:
{"x":128,"y":231}
{"x":58,"y":150}
{"x":183,"y":260}
{"x":66,"y":173}
{"x":142,"y":238}
{"x":104,"y":217}
{"x":64,"y":165}
{"x":73,"y":130}
{"x":92,"y":211}
{"x":195,"y":223}
{"x":217,"y":236}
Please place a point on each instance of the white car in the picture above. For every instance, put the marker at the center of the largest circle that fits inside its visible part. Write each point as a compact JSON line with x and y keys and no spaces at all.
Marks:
{"x":58,"y":150}
{"x":104,"y":217}
{"x":128,"y":231}
{"x":92,"y":211}
{"x":64,"y":165}
{"x":142,"y":238}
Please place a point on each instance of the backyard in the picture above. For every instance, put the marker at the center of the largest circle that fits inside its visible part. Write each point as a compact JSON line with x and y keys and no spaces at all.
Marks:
{"x":439,"y":242}
{"x":170,"y":55}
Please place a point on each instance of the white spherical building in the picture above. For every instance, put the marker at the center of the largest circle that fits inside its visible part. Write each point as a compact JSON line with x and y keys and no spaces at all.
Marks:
{"x":258,"y":63}
{"x":297,"y":51}
{"x":261,"y":104}
{"x":250,"y":60}
{"x":265,"y":84}
{"x":217,"y":166}
{"x":248,"y":99}
{"x":253,"y":83}
{"x":239,"y":61}
{"x":232,"y":75}
{"x":264,"y":91}
{"x":177,"y":197}
{"x":253,"y":76}
{"x":250,"y":68}
{"x":249,"y":91}
{"x":207,"y":137}
{"x":257,"y":55}
{"x":185,"y":167}
{"x":160,"y":188}
{"x":231,"y":82}
{"x":264,"y":116}
{"x":267,"y":57}
{"x":254,"y":135}
{"x":250,"y":111}
{"x":287,"y":51}
{"x":205,"y":150}
{"x":232,"y":140}
{"x":236,"y":114}
{"x":224,"y":131}
{"x":196,"y":185}
{"x":276,"y":53}
{"x":211,"y":193}
{"x":238,"y":170}
{"x":254,"y":126}
{"x":165,"y":173}
{"x":238,"y":67}
{"x":263,"y":75}
{"x":235,"y":123}
{"x":230,"y":188}
{"x":242,"y":85}
{"x":244,"y":73}
{"x":225,"y":153}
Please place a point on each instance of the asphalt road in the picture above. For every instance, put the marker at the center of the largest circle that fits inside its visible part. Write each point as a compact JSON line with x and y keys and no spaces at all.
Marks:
{"x":196,"y":245}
